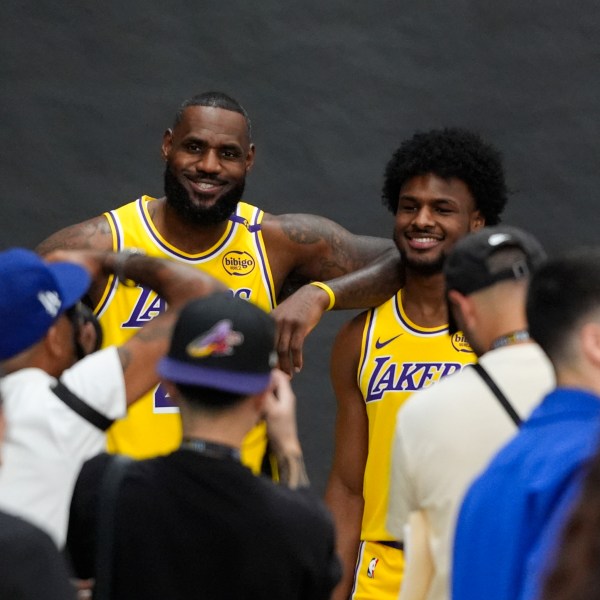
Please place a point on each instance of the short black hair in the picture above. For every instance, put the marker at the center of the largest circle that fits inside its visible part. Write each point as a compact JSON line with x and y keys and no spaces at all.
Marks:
{"x":206,"y":398}
{"x":450,"y":152}
{"x":215,"y":100}
{"x":562,"y":293}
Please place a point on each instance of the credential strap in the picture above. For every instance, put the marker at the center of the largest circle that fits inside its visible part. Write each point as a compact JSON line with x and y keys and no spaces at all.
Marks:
{"x":512,"y":413}
{"x":83,"y":409}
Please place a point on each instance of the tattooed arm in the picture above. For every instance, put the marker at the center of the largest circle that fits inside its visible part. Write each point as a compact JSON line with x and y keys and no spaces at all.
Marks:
{"x":362,"y":271}
{"x":314,"y":248}
{"x":94,"y":234}
{"x":175,"y":282}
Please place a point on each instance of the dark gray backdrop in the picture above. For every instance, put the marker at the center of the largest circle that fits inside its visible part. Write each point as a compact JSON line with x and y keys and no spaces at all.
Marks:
{"x":332,"y":88}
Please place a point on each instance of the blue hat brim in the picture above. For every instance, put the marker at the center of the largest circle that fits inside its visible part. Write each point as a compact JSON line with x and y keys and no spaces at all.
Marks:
{"x":74,"y":282}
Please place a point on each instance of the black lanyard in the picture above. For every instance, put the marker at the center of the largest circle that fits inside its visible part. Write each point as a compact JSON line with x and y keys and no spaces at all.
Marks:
{"x":512,"y":413}
{"x":211,"y":449}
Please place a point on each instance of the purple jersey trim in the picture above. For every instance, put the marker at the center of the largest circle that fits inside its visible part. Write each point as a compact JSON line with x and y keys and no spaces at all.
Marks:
{"x":172,"y":251}
{"x":412,"y":329}
{"x":369,"y":335}
{"x":115,"y":280}
{"x":255,"y":228}
{"x":117,"y":229}
{"x":251,"y":228}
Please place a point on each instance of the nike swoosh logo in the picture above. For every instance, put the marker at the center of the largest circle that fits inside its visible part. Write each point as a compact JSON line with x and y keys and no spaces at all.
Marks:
{"x":380,"y":345}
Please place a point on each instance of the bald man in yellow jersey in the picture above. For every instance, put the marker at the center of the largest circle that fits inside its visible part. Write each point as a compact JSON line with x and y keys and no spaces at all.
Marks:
{"x":202,"y":221}
{"x":237,"y":259}
{"x":440,"y":185}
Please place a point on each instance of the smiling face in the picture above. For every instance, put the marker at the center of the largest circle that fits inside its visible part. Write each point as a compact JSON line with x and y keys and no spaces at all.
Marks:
{"x":433,"y":214}
{"x":208,"y":154}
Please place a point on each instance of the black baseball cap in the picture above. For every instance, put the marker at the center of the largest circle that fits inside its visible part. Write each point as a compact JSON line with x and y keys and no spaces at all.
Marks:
{"x":467,"y":268}
{"x":224,"y":343}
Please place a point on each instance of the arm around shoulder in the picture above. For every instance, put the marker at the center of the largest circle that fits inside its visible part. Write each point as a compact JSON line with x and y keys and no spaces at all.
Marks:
{"x":314,"y":248}
{"x":356,"y":272}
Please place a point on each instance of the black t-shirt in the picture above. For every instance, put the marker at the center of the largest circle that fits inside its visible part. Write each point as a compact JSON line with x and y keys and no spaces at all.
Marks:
{"x":31,"y":567}
{"x":188,"y":525}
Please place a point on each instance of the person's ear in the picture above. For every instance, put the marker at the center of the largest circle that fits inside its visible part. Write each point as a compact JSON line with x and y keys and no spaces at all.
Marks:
{"x":260,"y":402}
{"x":250,"y":157}
{"x":477,"y":221}
{"x":167,"y":144}
{"x":464,"y":309}
{"x":54,"y":340}
{"x":590,"y":342}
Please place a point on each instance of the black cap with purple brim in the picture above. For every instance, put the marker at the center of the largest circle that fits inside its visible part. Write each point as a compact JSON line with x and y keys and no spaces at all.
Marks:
{"x":224,"y":343}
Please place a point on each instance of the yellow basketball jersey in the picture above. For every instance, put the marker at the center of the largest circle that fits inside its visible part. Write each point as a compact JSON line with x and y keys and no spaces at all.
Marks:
{"x":397,"y":358}
{"x":238,"y":260}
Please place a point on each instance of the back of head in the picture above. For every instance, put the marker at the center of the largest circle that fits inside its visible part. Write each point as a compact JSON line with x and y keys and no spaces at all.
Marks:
{"x":222,"y":350}
{"x":214,"y":100}
{"x":450,"y":153}
{"x":490,"y":256}
{"x":33,"y":294}
{"x":563,"y":294}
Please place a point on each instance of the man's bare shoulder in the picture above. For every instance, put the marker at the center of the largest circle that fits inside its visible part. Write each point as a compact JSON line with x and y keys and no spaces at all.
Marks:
{"x":312,"y":232}
{"x":302,"y":228}
{"x":93,"y":234}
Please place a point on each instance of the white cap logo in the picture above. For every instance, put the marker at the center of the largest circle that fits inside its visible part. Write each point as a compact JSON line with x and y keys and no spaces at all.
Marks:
{"x":498,"y":238}
{"x":50,"y":301}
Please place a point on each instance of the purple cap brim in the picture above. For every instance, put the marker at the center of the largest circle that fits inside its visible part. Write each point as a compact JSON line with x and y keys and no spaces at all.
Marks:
{"x":229,"y":381}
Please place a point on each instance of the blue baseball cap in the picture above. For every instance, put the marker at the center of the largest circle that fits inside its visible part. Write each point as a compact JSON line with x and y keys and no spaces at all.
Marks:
{"x":33,"y":294}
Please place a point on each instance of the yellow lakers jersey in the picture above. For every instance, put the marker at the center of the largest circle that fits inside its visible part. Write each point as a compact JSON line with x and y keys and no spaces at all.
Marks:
{"x":397,"y":359}
{"x":238,"y":260}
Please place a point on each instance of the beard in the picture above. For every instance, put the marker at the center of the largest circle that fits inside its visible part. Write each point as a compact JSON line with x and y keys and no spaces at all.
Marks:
{"x":179,"y":199}
{"x":421,"y":266}
{"x":424,"y":267}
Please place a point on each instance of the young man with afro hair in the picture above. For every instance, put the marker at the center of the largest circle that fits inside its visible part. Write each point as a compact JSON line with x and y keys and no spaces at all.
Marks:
{"x":440,"y":185}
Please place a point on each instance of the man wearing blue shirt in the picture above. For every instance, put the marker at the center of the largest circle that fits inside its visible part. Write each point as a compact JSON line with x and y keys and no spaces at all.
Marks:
{"x":512,"y":515}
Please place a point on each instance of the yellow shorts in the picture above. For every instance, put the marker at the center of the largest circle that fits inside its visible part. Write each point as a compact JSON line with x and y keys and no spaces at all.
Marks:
{"x":378,"y":573}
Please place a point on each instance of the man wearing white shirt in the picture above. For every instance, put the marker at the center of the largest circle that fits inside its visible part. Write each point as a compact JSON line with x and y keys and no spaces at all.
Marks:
{"x":445,"y":435}
{"x":52,"y":430}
